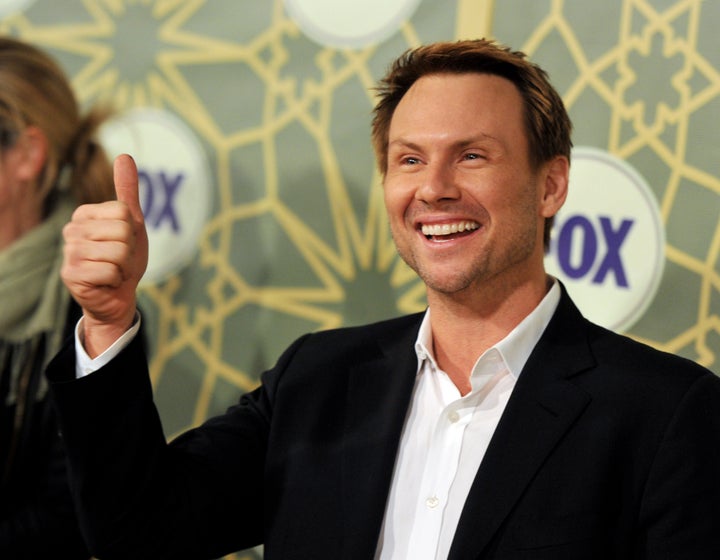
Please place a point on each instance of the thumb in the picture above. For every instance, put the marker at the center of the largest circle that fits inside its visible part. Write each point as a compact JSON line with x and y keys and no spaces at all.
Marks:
{"x":125,"y":176}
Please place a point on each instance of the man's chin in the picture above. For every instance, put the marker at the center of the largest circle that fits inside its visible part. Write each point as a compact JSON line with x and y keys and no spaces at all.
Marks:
{"x":447,"y":284}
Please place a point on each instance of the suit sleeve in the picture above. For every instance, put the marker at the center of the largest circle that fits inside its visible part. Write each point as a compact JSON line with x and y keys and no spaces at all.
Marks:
{"x":199,"y":496}
{"x":680,"y":516}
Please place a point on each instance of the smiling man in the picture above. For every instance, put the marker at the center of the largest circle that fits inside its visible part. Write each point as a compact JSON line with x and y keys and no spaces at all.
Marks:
{"x":451,"y":167}
{"x":498,"y":424}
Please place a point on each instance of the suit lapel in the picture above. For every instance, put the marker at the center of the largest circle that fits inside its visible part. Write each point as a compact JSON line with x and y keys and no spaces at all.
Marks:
{"x":543,"y":406}
{"x":378,"y":395}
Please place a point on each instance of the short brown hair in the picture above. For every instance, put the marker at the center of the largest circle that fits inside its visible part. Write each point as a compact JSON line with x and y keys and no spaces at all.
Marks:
{"x":547,"y":123}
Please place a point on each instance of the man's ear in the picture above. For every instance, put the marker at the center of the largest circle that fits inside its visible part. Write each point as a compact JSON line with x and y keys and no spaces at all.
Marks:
{"x":32,"y":150}
{"x":555,"y":186}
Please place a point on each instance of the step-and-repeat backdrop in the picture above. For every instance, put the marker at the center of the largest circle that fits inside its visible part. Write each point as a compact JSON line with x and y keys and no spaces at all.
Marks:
{"x":249,"y":120}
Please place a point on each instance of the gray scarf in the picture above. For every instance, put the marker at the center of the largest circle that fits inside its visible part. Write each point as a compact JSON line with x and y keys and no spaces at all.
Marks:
{"x":33,"y":299}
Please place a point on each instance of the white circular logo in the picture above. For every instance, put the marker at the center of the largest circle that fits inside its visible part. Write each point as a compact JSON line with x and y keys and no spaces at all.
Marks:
{"x":175,"y":185}
{"x":8,"y":7}
{"x":350,"y":23}
{"x":608,"y":243}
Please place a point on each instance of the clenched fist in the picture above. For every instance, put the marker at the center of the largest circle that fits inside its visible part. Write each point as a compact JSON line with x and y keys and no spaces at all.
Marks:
{"x":105,"y":256}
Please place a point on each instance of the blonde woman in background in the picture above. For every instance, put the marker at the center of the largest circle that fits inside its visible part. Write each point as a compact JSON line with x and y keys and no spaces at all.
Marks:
{"x":49,"y":164}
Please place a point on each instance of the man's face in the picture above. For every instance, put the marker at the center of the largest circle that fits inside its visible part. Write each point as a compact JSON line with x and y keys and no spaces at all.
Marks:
{"x":465,"y":207}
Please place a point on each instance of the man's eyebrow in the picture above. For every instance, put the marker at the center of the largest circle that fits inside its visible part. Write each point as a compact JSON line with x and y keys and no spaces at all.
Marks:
{"x":481,"y":137}
{"x":404,"y":144}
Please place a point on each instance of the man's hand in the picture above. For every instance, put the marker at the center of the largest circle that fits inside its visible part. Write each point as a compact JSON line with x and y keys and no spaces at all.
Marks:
{"x":106,"y":253}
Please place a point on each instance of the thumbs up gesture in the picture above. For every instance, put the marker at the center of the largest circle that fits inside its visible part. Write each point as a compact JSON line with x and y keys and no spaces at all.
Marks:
{"x":105,"y":256}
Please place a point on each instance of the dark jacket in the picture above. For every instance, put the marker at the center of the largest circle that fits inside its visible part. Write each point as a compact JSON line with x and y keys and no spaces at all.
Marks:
{"x":37,"y":517}
{"x":607,"y":449}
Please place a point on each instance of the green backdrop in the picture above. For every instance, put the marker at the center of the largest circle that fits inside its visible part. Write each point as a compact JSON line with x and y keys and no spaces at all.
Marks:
{"x":297,"y":239}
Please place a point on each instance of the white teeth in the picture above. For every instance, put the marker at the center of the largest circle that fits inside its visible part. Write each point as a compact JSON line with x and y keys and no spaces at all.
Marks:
{"x":447,"y":229}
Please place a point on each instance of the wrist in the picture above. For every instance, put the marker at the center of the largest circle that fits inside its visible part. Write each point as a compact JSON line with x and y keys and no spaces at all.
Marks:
{"x":97,"y":336}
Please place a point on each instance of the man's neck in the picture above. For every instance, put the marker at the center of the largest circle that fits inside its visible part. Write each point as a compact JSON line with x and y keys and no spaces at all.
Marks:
{"x":464,"y":326}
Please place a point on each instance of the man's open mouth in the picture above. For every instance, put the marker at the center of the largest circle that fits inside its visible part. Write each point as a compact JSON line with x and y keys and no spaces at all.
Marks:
{"x":444,"y":232}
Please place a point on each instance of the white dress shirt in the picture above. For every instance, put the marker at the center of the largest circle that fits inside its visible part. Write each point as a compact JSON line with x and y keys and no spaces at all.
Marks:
{"x":85,"y":365}
{"x":445,"y":438}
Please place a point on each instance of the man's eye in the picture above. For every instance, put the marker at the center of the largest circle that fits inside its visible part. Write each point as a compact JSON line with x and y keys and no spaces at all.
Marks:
{"x":473,"y":155}
{"x":410,"y":161}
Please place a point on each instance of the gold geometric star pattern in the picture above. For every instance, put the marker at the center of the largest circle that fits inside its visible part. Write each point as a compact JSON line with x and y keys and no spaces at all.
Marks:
{"x":297,"y":239}
{"x":657,"y":90}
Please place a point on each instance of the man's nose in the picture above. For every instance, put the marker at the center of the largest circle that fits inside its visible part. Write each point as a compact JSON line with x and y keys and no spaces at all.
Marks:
{"x":437,"y":183}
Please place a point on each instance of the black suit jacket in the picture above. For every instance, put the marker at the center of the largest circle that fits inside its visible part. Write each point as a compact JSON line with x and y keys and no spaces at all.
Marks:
{"x":607,"y":449}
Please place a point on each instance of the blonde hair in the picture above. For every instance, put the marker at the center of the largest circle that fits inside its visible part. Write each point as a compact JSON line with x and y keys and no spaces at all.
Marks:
{"x":34,"y":91}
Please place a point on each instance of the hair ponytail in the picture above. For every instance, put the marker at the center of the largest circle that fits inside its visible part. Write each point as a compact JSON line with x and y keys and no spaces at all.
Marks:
{"x":90,"y":173}
{"x":36,"y":92}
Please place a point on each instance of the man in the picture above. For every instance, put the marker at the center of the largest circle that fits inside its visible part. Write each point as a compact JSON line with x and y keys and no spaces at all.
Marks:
{"x":498,"y":424}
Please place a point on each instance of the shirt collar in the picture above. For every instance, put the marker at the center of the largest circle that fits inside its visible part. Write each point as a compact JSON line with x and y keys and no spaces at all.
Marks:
{"x":516,"y":347}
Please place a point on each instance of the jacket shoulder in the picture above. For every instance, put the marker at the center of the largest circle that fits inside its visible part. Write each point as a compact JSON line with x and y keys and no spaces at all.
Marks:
{"x":612,"y":348}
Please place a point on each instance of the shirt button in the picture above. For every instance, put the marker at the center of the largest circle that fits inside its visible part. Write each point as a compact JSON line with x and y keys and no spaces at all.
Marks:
{"x":432,"y":502}
{"x":453,"y":416}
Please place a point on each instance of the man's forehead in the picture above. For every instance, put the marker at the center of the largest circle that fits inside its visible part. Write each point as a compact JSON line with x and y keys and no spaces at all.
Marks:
{"x":470,"y":107}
